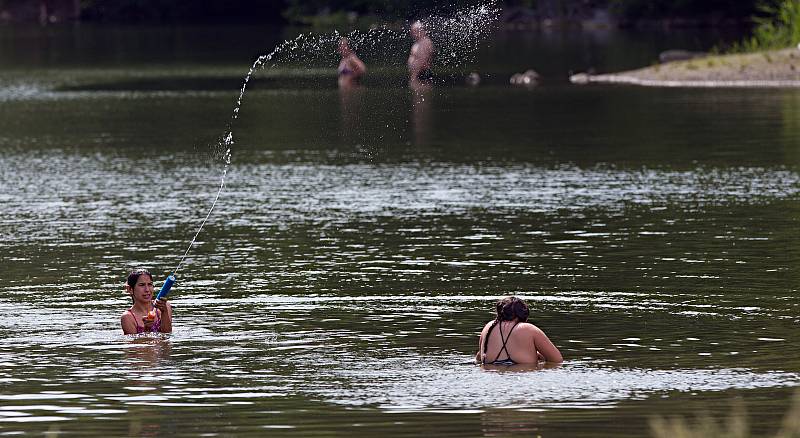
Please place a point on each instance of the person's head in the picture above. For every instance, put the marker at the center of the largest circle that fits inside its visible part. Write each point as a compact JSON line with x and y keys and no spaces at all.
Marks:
{"x":512,"y":307}
{"x":140,"y":284}
{"x":344,"y":46}
{"x":418,"y":30}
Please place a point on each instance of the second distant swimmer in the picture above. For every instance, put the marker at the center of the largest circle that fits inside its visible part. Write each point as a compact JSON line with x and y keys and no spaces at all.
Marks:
{"x":351,"y":69}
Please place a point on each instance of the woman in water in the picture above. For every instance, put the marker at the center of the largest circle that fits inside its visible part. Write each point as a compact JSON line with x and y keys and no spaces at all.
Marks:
{"x":146,"y":314}
{"x":510,"y":339}
{"x":351,"y":69}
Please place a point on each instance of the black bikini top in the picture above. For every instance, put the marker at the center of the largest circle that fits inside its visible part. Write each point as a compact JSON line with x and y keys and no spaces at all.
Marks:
{"x":503,"y":338}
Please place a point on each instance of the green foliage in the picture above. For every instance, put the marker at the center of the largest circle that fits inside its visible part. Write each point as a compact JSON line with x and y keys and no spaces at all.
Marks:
{"x":341,"y":12}
{"x":338,"y":20}
{"x":659,"y":9}
{"x":521,"y":3}
{"x":181,"y":10}
{"x":778,"y":27}
{"x":324,"y":11}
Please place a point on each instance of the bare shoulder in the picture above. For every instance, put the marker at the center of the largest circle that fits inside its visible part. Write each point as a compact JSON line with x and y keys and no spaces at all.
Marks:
{"x":530,"y":328}
{"x":128,"y":322}
{"x":487,"y":325}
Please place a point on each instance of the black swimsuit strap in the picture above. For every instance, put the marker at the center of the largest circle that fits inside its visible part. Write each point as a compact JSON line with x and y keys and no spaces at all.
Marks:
{"x":505,"y":340}
{"x":502,"y":338}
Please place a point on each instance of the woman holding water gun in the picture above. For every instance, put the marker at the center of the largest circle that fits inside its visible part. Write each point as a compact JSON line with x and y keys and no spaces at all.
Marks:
{"x":146,"y":315}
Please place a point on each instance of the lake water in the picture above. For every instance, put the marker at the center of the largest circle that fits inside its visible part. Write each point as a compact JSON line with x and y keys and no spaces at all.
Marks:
{"x":363,"y":238}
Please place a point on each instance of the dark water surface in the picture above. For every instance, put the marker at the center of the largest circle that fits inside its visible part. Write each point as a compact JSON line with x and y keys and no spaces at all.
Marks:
{"x":363,"y":237}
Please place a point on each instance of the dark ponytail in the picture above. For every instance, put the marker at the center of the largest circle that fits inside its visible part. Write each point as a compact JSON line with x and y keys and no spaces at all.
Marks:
{"x":512,"y":307}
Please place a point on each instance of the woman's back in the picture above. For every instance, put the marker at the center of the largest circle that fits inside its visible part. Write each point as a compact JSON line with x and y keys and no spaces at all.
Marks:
{"x":521,"y":342}
{"x":508,"y":340}
{"x":511,"y":339}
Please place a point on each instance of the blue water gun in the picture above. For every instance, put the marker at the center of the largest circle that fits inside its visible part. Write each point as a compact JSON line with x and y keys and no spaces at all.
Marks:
{"x":166,"y":287}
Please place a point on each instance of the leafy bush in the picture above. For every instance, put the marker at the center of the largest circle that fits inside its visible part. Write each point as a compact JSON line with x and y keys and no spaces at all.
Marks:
{"x":180,"y":11}
{"x":659,"y":9}
{"x":316,"y":11}
{"x":777,"y":28}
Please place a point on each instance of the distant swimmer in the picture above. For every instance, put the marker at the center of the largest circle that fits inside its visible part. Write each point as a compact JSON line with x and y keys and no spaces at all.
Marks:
{"x":351,"y":69}
{"x":420,"y":57}
{"x":510,"y":339}
{"x":146,"y":315}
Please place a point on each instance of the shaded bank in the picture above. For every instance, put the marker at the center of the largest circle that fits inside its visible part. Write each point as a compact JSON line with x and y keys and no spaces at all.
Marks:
{"x":46,"y":12}
{"x":776,"y":68}
{"x":519,"y":13}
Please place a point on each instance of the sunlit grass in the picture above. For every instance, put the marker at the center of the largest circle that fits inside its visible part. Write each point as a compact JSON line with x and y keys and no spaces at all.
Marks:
{"x":734,"y":426}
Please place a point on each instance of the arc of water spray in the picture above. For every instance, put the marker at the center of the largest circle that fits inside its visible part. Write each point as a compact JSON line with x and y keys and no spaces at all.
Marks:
{"x":454,"y":25}
{"x":227,"y":141}
{"x":227,"y":158}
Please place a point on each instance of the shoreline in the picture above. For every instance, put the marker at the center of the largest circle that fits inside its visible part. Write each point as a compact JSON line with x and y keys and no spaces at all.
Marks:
{"x":768,"y":69}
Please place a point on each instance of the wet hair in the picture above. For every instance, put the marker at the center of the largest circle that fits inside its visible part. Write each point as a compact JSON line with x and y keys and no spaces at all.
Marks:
{"x":418,"y":27}
{"x":343,"y":46}
{"x":512,"y":307}
{"x":133,"y":277}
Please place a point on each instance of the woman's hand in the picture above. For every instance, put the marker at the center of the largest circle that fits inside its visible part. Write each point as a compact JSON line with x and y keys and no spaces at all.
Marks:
{"x":149,"y":319}
{"x":161,"y":304}
{"x":166,"y":314}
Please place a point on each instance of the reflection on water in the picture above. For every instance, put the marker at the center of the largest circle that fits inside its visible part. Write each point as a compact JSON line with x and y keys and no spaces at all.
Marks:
{"x":422,"y":94}
{"x":350,"y":110}
{"x":435,"y":386}
{"x":362,"y":240}
{"x":395,"y":353}
{"x":790,"y":116}
{"x":363,"y":286}
{"x":147,"y":352}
